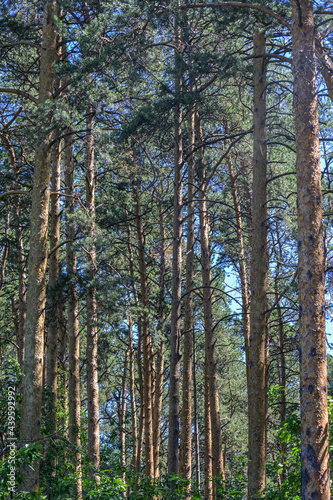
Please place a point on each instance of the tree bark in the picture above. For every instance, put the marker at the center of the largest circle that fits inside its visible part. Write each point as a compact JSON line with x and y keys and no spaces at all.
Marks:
{"x":139,"y":361}
{"x":73,"y":322}
{"x":30,"y":427}
{"x":157,"y":412}
{"x":196,"y":417}
{"x":92,"y":334}
{"x":22,"y":303}
{"x":54,"y":305}
{"x":3,"y":259}
{"x":62,"y":350}
{"x":208,"y":438}
{"x":257,"y":360}
{"x":242,"y":265}
{"x":315,"y":473}
{"x":325,"y":65}
{"x":175,"y":334}
{"x":123,"y":418}
{"x":146,"y":340}
{"x":132,"y":392}
{"x":210,"y":356}
{"x":186,"y":414}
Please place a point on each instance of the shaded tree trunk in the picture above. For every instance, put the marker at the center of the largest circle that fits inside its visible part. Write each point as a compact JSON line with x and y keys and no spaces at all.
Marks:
{"x":325,"y":64}
{"x":196,"y":418}
{"x":210,"y":356}
{"x":160,"y":353}
{"x":315,"y":473}
{"x":257,"y":359}
{"x":30,"y":426}
{"x":139,"y":362}
{"x":186,"y":414}
{"x":175,"y":334}
{"x":22,"y":302}
{"x":62,"y":349}
{"x":242,"y":265}
{"x":4,"y":256}
{"x":146,"y":340}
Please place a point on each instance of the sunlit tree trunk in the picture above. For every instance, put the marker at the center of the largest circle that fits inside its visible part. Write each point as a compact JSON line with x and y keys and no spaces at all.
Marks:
{"x":92,"y":334}
{"x":123,"y":418}
{"x":175,"y":335}
{"x":54,"y":304}
{"x":315,"y":473}
{"x":132,"y":392}
{"x":30,"y":425}
{"x":196,"y":416}
{"x":257,"y":359}
{"x":74,"y":400}
{"x":208,"y":439}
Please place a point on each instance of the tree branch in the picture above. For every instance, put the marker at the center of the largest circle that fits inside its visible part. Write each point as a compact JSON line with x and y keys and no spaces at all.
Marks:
{"x":21,"y":93}
{"x":10,"y":193}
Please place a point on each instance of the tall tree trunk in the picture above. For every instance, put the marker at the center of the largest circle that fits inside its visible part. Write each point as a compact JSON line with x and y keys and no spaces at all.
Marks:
{"x":157,"y":412}
{"x":22,"y":303}
{"x":132,"y":392}
{"x":73,"y":321}
{"x":208,"y":438}
{"x":186,"y":415}
{"x":55,"y":304}
{"x":281,"y":362}
{"x":242,"y":265}
{"x":257,"y":360}
{"x":123,"y":418}
{"x":139,"y":358}
{"x":325,"y":64}
{"x":30,"y":427}
{"x":92,"y":338}
{"x":311,"y":285}
{"x":3,"y":259}
{"x":175,"y":335}
{"x":210,"y":357}
{"x":196,"y":417}
{"x":146,"y":340}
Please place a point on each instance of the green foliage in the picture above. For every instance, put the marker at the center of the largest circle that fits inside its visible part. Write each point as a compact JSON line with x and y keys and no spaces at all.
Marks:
{"x":24,"y":456}
{"x":109,"y":488}
{"x":166,"y":488}
{"x":234,"y":486}
{"x":287,"y":464}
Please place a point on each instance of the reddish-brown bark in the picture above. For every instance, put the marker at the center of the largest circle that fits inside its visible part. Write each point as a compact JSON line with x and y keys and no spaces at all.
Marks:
{"x":311,"y":286}
{"x":30,"y":425}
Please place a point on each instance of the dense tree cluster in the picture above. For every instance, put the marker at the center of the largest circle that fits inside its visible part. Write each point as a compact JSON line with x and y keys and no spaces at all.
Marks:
{"x":166,"y":249}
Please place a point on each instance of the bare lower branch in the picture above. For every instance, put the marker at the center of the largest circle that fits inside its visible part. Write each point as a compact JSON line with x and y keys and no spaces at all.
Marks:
{"x":21,"y":93}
